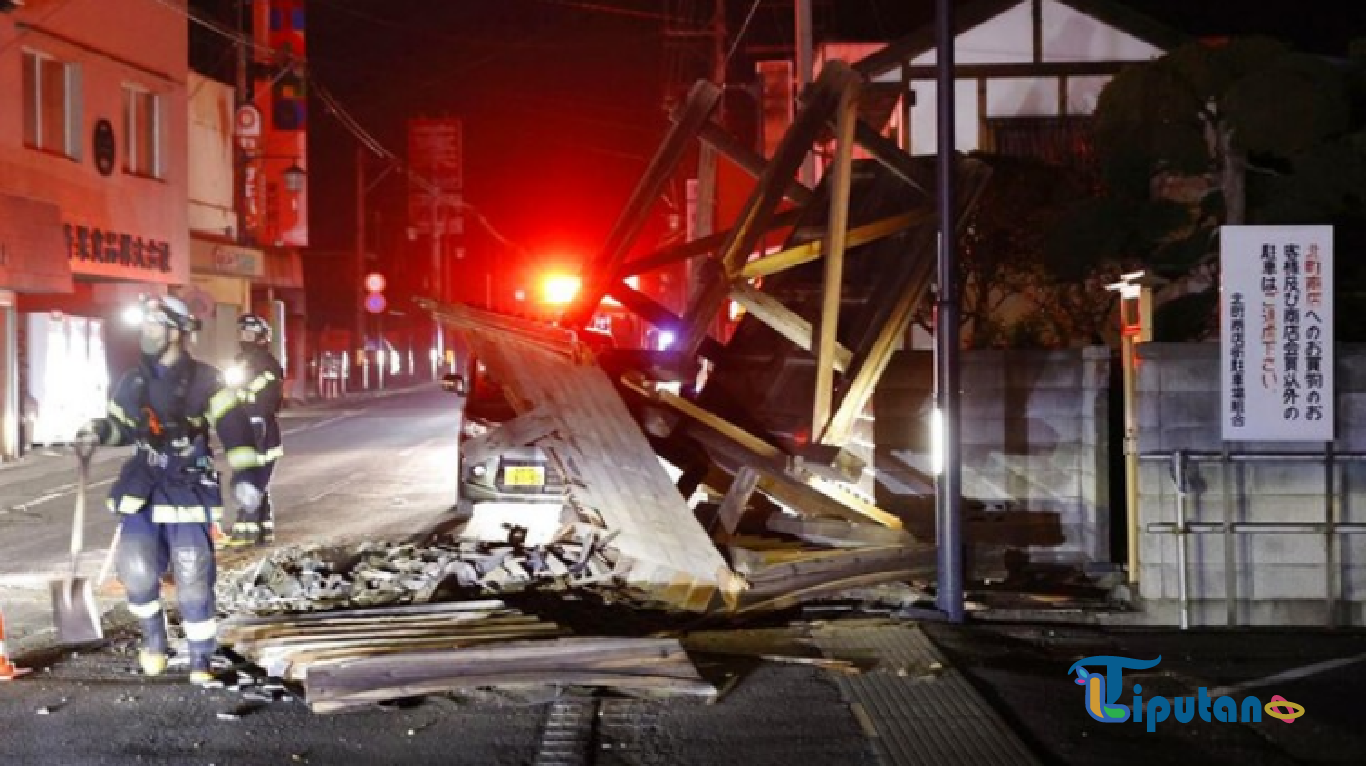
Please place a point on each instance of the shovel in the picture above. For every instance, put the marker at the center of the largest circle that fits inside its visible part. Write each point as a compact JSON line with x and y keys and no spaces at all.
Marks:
{"x":74,"y":610}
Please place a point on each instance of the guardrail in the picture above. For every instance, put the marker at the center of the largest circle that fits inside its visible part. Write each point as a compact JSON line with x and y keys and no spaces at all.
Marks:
{"x":1329,"y":528}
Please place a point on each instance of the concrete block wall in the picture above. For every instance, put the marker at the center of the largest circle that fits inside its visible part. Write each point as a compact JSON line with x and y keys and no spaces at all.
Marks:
{"x":1035,"y":438}
{"x":1280,"y":578}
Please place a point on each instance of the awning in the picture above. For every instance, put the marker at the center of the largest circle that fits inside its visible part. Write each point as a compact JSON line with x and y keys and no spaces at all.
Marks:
{"x":33,"y":252}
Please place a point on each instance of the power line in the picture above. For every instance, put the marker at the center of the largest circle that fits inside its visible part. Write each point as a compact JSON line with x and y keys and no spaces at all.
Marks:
{"x":611,"y":9}
{"x":357,"y":131}
{"x":218,"y":28}
{"x":740,"y":35}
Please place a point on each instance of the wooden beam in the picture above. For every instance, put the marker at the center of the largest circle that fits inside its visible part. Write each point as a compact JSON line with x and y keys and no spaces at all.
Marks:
{"x":702,"y":101}
{"x":659,"y":316}
{"x":832,"y":293}
{"x":870,"y":372}
{"x":737,"y":498}
{"x":784,"y":321}
{"x":702,"y":246}
{"x":808,"y":252}
{"x":561,"y":341}
{"x":734,"y":433}
{"x":753,"y":162}
{"x":879,"y":351}
{"x":823,"y":500}
{"x":837,"y":533}
{"x":885,"y":151}
{"x":810,"y":495}
{"x":1023,"y":70}
{"x":822,"y":102}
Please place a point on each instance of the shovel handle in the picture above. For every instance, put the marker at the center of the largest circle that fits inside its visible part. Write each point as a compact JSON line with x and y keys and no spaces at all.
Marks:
{"x":109,"y":558}
{"x":78,"y":524}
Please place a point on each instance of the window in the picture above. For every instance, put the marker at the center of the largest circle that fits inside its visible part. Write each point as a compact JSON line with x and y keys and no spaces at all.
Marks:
{"x":142,"y":132}
{"x":51,"y":105}
{"x":1065,"y":141}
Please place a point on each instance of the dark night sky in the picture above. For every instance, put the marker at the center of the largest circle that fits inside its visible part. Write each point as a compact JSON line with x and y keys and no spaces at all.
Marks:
{"x":563,"y":100}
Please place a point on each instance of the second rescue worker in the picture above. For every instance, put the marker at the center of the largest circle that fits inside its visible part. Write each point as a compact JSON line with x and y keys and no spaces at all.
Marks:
{"x":259,"y":380}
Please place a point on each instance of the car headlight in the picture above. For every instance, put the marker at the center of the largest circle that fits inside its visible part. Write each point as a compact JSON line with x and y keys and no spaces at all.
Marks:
{"x":478,"y":470}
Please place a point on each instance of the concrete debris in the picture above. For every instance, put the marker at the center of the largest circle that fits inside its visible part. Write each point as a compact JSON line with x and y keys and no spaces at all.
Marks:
{"x":378,"y":573}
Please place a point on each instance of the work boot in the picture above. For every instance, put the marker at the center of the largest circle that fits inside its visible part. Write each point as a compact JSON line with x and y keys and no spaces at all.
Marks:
{"x":153,"y":663}
{"x":152,"y":655}
{"x":201,"y":669}
{"x":244,"y":535}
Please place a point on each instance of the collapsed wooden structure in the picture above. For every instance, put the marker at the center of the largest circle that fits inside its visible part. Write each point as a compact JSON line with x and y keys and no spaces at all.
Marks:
{"x":772,"y":432}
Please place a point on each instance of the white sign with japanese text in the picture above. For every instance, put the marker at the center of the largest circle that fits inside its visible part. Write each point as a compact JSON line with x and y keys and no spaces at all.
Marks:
{"x":1276,"y":341}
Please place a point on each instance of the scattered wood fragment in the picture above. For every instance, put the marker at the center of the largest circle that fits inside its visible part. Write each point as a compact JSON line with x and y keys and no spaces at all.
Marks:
{"x":645,"y":666}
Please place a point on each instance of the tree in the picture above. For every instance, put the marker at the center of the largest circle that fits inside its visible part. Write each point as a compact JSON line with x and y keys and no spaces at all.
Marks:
{"x":1008,"y":295}
{"x":1247,"y":132}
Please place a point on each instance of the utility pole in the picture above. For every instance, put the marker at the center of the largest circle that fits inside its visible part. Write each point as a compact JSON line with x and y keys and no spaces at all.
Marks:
{"x":804,"y":75}
{"x":434,"y":189}
{"x":706,"y":158}
{"x":949,"y":485}
{"x":240,"y":167}
{"x":359,"y":296}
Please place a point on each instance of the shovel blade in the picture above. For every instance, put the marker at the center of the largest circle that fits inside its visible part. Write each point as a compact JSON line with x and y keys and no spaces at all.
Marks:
{"x":75,"y":613}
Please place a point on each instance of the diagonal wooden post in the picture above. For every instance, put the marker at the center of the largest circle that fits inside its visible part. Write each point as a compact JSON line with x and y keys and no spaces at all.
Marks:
{"x":702,"y":101}
{"x":837,"y":229}
{"x":821,"y":101}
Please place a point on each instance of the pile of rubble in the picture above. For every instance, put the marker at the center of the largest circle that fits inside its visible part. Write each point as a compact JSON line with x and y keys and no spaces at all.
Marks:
{"x":323,"y":577}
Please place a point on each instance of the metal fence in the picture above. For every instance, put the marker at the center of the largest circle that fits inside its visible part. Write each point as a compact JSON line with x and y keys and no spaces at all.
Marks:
{"x":1329,"y":528}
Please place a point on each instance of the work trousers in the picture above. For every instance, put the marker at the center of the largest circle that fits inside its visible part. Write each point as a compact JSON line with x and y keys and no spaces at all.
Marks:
{"x":146,"y":550}
{"x":257,"y":526}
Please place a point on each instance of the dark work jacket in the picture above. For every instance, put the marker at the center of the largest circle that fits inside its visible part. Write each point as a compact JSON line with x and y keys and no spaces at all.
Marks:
{"x":262,"y":395}
{"x":168,"y":413}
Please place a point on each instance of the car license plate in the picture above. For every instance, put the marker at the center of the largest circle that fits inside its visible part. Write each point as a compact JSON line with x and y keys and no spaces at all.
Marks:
{"x":524,"y":476}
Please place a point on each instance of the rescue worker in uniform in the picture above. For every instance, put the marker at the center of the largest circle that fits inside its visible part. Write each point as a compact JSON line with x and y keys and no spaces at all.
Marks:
{"x":260,"y":381}
{"x":167,"y":493}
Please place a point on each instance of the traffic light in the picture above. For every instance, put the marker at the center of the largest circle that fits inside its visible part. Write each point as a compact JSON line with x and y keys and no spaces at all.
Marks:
{"x":375,"y":302}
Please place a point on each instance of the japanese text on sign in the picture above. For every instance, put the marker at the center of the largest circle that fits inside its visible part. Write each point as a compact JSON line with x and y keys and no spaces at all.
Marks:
{"x":1277,"y":309}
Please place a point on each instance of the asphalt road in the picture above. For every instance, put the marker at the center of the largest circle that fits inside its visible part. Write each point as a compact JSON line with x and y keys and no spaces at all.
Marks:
{"x":385,"y":467}
{"x":1022,"y":670}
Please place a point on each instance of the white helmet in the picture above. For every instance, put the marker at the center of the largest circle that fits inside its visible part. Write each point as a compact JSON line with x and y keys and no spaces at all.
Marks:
{"x":170,"y":312}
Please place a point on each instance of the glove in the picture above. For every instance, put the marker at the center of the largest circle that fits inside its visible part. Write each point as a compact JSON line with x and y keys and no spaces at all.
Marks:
{"x":93,"y":434}
{"x":248,"y":496}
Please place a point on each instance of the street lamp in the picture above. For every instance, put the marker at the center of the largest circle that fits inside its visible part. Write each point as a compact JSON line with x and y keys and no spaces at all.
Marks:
{"x":294,"y":176}
{"x":1135,"y":291}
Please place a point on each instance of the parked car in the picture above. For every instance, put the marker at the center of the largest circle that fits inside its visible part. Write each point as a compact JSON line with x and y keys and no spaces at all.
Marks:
{"x":517,"y":475}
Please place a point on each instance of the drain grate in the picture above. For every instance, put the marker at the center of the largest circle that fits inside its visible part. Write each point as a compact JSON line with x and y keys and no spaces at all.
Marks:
{"x":568,"y":734}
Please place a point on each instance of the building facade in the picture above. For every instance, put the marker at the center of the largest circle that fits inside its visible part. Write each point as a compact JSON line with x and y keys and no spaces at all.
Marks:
{"x":93,"y":184}
{"x":221,"y":269}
